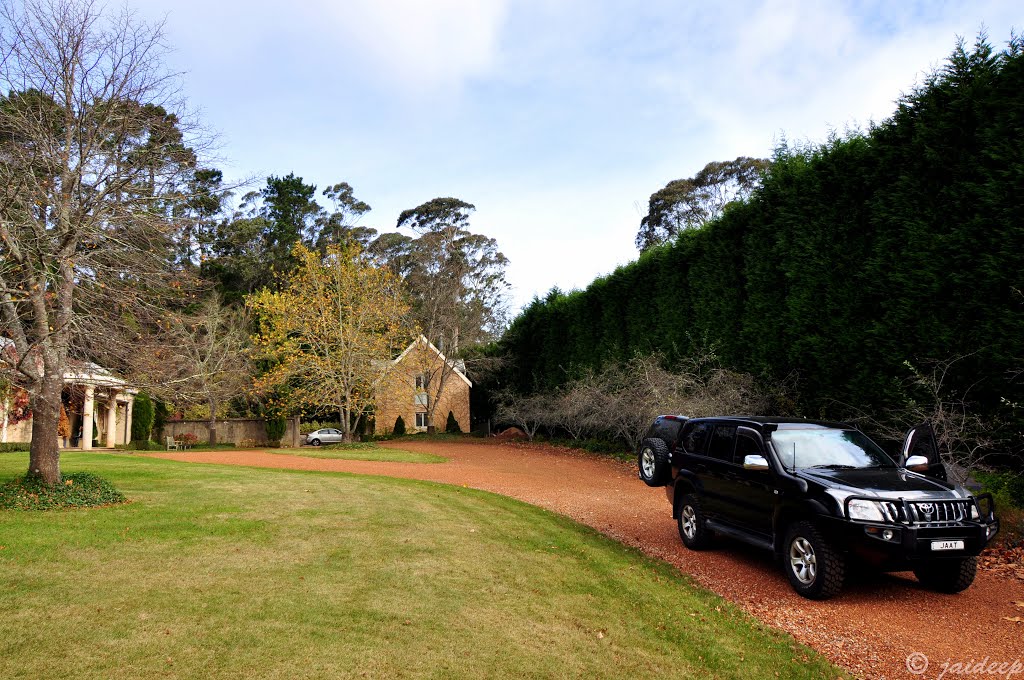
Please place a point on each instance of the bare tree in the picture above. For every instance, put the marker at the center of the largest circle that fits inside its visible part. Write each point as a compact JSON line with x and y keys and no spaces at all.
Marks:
{"x":93,"y":161}
{"x":201,"y":357}
{"x":964,"y":438}
{"x":571,"y":408}
{"x":528,"y":412}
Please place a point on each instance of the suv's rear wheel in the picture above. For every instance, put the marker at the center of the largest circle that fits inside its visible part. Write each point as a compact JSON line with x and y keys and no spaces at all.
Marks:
{"x":653,"y":462}
{"x":948,"y":576}
{"x":314,"y":442}
{"x":815,"y":569}
{"x":693,"y":527}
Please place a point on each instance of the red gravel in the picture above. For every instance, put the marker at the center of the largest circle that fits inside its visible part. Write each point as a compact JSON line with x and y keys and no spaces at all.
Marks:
{"x":870,"y":628}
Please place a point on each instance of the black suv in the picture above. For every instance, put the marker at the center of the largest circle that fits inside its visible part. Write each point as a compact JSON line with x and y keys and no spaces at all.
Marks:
{"x":819,"y":494}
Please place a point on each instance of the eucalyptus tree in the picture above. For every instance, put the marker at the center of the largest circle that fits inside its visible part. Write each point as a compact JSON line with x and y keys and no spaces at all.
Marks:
{"x":693,"y":202}
{"x":457,"y":282}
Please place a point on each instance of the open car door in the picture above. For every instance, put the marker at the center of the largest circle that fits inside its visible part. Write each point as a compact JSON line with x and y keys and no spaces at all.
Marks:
{"x":920,"y":441}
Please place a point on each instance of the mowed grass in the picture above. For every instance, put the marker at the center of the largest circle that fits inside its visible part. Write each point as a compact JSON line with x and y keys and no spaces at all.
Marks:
{"x":228,"y":572}
{"x":361,"y":451}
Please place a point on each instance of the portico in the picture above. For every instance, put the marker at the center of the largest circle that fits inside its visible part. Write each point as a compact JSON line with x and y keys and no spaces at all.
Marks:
{"x":98,"y":403}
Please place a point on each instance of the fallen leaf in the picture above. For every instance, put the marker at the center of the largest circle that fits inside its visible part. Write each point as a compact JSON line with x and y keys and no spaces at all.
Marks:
{"x":1015,"y":619}
{"x":1016,"y":604}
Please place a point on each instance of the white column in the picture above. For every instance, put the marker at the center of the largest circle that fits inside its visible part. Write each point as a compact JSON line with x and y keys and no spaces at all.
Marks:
{"x":87,"y":407}
{"x":128,"y":419}
{"x":111,"y":418}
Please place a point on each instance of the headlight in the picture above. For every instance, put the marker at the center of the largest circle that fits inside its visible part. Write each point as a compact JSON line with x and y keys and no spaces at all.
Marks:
{"x":974,"y":511}
{"x":867,"y":511}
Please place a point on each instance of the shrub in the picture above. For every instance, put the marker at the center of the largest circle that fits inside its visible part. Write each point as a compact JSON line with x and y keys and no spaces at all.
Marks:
{"x":399,"y":427}
{"x":142,"y":445}
{"x":275,"y":431}
{"x":187,"y":438}
{"x":1006,"y":487}
{"x":142,"y":418}
{"x":452,"y":425}
{"x":246,"y":443}
{"x":77,"y":490}
{"x":11,"y":447}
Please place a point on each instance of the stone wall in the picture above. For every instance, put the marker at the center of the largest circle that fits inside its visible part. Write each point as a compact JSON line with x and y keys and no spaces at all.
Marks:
{"x":232,"y":430}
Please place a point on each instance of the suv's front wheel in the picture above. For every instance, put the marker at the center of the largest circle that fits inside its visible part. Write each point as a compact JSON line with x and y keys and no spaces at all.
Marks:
{"x":652,"y":460}
{"x":815,"y":569}
{"x":948,"y":576}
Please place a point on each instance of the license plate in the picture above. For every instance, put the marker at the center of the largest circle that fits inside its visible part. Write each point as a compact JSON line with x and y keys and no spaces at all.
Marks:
{"x":947,"y":545}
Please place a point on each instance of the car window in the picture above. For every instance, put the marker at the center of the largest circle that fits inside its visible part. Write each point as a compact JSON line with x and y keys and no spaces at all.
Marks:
{"x":828,"y":448}
{"x":722,"y":443}
{"x":696,"y":437}
{"x":746,"y":446}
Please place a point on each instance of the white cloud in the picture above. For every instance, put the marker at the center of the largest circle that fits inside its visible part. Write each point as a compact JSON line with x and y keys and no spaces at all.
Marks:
{"x":422,"y":45}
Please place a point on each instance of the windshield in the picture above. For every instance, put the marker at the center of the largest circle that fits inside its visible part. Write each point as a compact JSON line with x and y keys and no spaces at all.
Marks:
{"x":827,"y":448}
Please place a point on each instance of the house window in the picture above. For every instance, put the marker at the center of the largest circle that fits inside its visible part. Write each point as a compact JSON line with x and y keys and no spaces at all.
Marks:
{"x":420,"y":399}
{"x":420,"y":382}
{"x":421,"y":420}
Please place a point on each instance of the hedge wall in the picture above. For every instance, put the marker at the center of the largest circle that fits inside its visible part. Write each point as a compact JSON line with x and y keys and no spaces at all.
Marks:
{"x":904,"y":243}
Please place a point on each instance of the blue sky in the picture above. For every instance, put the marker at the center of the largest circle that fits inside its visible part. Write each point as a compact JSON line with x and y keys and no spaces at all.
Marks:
{"x":556,"y":119}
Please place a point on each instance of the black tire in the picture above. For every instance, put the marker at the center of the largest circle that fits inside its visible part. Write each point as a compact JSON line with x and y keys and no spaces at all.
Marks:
{"x":652,"y":461}
{"x":314,"y":442}
{"x":693,"y":526}
{"x":948,"y":576}
{"x":815,"y":569}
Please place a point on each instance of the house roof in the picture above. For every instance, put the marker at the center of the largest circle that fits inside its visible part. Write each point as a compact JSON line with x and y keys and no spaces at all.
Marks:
{"x":83,"y":372}
{"x":458,"y":366}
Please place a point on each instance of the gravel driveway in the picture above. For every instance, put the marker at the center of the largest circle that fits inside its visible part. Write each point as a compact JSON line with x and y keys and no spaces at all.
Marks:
{"x":870,"y":628}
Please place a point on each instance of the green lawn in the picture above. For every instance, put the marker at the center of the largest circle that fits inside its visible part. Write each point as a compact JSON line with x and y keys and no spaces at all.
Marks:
{"x":361,"y":451}
{"x":231,"y":572}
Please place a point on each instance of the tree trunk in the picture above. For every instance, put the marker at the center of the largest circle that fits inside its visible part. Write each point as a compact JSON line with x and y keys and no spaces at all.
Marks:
{"x":44,"y":459}
{"x":212,"y":425}
{"x":346,"y":429}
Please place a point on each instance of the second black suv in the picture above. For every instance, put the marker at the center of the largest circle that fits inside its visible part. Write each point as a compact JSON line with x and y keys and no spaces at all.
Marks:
{"x":819,"y":494}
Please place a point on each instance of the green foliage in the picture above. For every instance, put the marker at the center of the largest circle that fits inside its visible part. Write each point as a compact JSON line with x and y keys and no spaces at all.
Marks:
{"x":142,"y":417}
{"x":161,"y":413}
{"x":1006,"y":487}
{"x":314,"y":425}
{"x":902,"y":243}
{"x":275,"y":429}
{"x":11,"y":447}
{"x":77,"y":490}
{"x":399,"y":429}
{"x":141,"y":445}
{"x":452,"y":425}
{"x":692,"y":203}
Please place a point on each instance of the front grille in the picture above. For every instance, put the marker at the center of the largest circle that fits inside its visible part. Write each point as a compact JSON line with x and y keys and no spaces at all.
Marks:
{"x":932,"y":513}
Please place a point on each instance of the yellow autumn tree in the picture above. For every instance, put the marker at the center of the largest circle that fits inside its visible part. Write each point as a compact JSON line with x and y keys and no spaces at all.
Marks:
{"x":332,"y":331}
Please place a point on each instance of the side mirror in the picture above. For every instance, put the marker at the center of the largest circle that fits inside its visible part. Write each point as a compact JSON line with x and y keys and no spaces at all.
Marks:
{"x":755,"y":462}
{"x":917,"y":464}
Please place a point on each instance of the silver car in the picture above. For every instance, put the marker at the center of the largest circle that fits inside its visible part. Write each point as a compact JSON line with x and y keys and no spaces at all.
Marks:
{"x":326,"y":435}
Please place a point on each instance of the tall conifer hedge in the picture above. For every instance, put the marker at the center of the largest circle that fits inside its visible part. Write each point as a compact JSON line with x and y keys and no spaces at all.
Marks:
{"x":901,"y":244}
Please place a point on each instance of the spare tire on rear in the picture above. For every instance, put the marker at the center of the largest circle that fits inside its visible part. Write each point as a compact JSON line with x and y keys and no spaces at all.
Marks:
{"x":653,"y":461}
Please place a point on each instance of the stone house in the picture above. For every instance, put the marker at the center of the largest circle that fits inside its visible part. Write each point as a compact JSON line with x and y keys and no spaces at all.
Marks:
{"x":415,"y":380}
